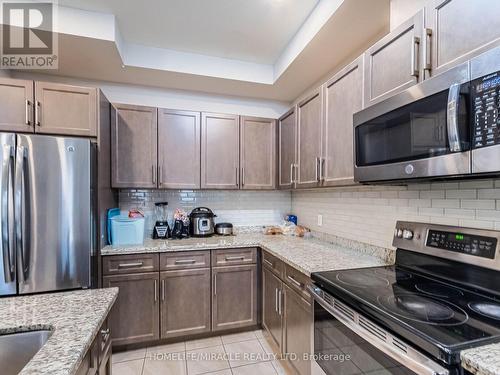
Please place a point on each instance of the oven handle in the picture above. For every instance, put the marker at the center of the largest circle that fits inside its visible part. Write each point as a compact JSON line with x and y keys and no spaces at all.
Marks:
{"x":412,"y":359}
{"x":452,"y":118}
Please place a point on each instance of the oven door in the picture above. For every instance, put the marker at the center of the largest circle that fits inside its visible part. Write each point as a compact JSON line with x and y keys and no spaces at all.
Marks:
{"x":423,"y":132}
{"x":346,"y":343}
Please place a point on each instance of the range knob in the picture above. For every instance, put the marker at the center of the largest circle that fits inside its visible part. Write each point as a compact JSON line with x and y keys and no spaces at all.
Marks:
{"x":398,"y":233}
{"x":407,"y":234}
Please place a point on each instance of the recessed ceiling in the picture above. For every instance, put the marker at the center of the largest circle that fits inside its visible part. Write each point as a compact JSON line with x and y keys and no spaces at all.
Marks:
{"x":249,"y":30}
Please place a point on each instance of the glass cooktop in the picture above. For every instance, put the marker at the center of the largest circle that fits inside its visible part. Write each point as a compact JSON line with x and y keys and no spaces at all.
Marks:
{"x":413,"y":304}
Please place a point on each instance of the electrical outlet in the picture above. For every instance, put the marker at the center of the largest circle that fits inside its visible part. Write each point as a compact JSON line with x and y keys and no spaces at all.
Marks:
{"x":320,"y":220}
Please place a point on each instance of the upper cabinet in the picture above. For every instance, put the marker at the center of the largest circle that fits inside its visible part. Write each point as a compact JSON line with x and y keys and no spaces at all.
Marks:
{"x":63,"y":109}
{"x":257,"y":153}
{"x":394,"y":62}
{"x":343,"y":98}
{"x":134,"y":146}
{"x":220,"y":135}
{"x":458,"y":30}
{"x":178,"y":149}
{"x":287,"y":133}
{"x":16,"y":105}
{"x":310,"y":115}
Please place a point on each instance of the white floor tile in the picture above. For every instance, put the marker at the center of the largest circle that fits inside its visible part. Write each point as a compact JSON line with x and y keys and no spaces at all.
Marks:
{"x":165,"y":349}
{"x":206,"y":360}
{"x":262,"y":368}
{"x":203,"y":343}
{"x":128,"y":355}
{"x":238,"y":337}
{"x":128,"y":368}
{"x":165,"y":366}
{"x":245,"y":352}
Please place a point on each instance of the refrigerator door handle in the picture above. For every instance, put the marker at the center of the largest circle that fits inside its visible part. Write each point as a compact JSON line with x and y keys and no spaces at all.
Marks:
{"x":20,"y":205}
{"x":8,"y":260}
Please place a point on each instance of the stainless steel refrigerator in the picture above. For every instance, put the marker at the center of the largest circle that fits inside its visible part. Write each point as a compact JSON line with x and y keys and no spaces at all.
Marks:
{"x":45,"y":213}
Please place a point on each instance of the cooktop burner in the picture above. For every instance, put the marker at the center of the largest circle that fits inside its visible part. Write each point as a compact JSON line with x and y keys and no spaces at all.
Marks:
{"x":424,"y":309}
{"x":439,"y":290}
{"x":488,"y":309}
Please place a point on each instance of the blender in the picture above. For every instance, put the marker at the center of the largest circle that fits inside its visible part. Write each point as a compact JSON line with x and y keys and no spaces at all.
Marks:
{"x":161,"y":230}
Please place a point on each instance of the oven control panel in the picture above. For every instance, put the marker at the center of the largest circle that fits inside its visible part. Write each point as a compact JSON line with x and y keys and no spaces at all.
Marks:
{"x":486,"y":105}
{"x":484,"y":247}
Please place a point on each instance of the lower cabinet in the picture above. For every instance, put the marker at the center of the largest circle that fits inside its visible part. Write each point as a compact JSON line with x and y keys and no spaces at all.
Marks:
{"x":185,"y":302}
{"x":234,"y":303}
{"x":272,"y":317}
{"x":97,"y":360}
{"x":135,"y":316}
{"x":297,"y":331}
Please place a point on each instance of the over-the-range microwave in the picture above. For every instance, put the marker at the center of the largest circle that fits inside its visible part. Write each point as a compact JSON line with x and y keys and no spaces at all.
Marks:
{"x":446,"y":126}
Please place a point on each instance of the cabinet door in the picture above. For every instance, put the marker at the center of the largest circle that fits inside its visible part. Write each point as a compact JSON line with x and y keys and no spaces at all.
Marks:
{"x":178,"y":149}
{"x":271,"y":306}
{"x":65,"y":110}
{"x":298,"y":332}
{"x":394,"y":62}
{"x":234,"y":302}
{"x":16,"y":105}
{"x":257,"y":153}
{"x":310,"y":116}
{"x":343,"y":97}
{"x":220,"y":135}
{"x":460,"y":29}
{"x":134,"y":146}
{"x":287,"y":130}
{"x":135,"y":316}
{"x":185,"y":302}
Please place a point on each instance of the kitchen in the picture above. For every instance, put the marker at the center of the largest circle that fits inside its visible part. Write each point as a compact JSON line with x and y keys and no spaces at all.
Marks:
{"x":186,"y":193}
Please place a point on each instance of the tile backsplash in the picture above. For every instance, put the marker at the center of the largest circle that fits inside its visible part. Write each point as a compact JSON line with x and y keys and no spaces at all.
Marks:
{"x":368,"y":213}
{"x":242,"y":208}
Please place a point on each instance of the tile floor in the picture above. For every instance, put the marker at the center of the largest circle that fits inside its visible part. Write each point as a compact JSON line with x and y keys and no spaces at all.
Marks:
{"x":246,"y":353}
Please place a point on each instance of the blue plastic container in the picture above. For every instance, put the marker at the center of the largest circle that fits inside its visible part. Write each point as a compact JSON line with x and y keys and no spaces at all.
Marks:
{"x":123,"y":230}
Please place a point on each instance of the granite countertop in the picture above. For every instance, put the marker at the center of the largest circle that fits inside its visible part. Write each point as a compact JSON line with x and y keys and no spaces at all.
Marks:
{"x":306,"y":255}
{"x":484,"y":360}
{"x":73,"y":317}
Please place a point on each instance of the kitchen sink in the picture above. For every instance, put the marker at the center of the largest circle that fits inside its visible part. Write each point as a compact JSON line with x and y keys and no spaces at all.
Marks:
{"x":17,"y":349}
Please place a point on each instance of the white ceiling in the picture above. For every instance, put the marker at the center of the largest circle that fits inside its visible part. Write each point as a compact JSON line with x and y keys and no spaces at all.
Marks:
{"x":250,"y":30}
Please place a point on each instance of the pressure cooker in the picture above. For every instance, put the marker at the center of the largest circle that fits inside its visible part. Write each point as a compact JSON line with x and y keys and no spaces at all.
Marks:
{"x":202,"y":222}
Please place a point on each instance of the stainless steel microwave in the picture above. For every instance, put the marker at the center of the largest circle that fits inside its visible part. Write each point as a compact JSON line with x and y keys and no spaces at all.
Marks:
{"x":446,"y":126}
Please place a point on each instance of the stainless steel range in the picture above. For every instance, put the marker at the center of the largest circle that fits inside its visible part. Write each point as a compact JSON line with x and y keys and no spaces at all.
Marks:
{"x":442,"y":296}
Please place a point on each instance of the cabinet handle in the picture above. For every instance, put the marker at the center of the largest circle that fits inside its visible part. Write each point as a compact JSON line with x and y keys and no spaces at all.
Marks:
{"x":27,"y":119}
{"x":242,"y":176}
{"x":153,"y":172}
{"x":156,"y":290}
{"x":296,"y":174}
{"x":279,"y":302}
{"x":317,"y":169}
{"x":294,"y":282}
{"x":160,"y":167}
{"x":428,"y":51}
{"x":291,"y":174}
{"x":185,"y":261}
{"x":237,"y":177}
{"x":232,"y":259}
{"x":163,"y":290}
{"x":215,"y":284}
{"x":414,"y":56}
{"x":105,"y":335}
{"x":37,"y":113}
{"x":128,"y":265}
{"x":269,"y":263}
{"x":276,"y":299}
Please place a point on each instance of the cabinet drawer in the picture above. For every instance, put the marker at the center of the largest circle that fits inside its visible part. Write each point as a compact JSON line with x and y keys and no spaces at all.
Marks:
{"x":297,"y":281}
{"x":232,"y":257}
{"x":104,"y":340}
{"x":185,"y":260}
{"x":274,"y":264}
{"x":123,"y":264}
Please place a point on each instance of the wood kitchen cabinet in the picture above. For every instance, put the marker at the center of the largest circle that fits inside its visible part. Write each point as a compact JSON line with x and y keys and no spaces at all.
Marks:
{"x":298,"y":330}
{"x":343,"y":97}
{"x":133,"y":146}
{"x":394,"y":63}
{"x":272,"y":314}
{"x":185,"y":302}
{"x":16,"y":105}
{"x":310,"y":123}
{"x":234,"y":303}
{"x":458,"y":30}
{"x":97,"y":360}
{"x":258,"y":153}
{"x":178,"y":149}
{"x":135,"y":316}
{"x":65,"y":109}
{"x":220,"y":135}
{"x":287,"y":132}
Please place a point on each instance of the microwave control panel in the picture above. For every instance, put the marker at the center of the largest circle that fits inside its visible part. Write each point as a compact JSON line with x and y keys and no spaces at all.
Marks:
{"x":486,"y":105}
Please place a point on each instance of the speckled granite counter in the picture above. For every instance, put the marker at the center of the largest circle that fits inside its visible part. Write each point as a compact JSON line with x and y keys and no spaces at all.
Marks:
{"x":74,"y":317}
{"x":484,"y":360}
{"x":306,"y":255}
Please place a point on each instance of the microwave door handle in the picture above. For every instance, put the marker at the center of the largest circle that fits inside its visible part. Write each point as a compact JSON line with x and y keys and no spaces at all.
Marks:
{"x":412,"y":359}
{"x":8,"y":261}
{"x":452,"y":118}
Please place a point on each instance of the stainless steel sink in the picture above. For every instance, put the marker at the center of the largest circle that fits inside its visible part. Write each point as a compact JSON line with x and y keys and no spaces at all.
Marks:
{"x":17,"y":349}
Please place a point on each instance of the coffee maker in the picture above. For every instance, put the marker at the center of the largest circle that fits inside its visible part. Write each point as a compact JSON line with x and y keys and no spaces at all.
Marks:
{"x":161,"y":230}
